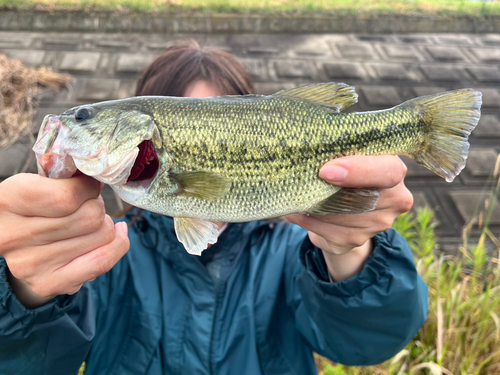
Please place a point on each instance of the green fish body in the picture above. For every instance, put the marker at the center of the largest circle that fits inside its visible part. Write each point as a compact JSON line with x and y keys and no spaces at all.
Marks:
{"x":243,"y":158}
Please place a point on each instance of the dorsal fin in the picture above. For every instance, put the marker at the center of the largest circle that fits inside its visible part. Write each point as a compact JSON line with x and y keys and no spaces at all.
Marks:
{"x":337,"y":96}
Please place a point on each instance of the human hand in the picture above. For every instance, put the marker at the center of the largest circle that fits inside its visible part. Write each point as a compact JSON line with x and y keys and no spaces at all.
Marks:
{"x":338,"y":234}
{"x":56,"y":235}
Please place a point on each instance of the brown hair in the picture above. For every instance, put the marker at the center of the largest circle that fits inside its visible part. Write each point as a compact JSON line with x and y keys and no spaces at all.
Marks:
{"x":186,"y":62}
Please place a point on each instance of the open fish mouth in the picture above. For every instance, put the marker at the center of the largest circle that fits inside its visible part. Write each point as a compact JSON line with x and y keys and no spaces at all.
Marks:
{"x":146,"y":164}
{"x":57,"y":157}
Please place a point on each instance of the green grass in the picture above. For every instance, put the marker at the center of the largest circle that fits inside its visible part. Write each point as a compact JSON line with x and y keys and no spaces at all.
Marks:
{"x":428,"y":7}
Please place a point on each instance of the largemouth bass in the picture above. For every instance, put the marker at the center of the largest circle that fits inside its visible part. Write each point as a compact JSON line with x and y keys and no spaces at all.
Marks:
{"x":243,"y":158}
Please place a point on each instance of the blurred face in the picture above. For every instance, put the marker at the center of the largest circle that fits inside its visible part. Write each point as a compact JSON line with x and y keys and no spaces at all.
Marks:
{"x":201,"y":89}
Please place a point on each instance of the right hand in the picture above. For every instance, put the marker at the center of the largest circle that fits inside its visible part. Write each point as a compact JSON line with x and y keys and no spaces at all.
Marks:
{"x":55,"y":235}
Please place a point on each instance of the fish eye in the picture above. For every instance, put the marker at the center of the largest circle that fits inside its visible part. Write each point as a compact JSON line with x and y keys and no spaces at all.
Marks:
{"x":82,"y":114}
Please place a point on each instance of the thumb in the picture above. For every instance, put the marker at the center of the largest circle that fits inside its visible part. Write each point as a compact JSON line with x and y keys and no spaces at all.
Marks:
{"x":383,"y":171}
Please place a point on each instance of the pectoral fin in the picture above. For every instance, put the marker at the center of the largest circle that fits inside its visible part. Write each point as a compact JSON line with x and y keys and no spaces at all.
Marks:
{"x":202,"y":185}
{"x":348,"y":201}
{"x":195,"y":234}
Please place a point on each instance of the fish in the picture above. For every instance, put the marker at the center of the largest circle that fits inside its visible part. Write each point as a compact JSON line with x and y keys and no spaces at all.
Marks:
{"x":251,"y":157}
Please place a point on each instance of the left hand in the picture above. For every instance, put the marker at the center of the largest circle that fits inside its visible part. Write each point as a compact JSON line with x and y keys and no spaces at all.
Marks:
{"x":338,"y":234}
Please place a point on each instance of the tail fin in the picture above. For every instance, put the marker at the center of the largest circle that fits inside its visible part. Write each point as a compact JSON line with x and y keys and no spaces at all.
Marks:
{"x":449,"y":119}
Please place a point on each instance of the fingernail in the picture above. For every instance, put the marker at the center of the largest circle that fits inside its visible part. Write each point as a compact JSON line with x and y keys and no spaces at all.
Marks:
{"x":334,"y":173}
{"x":122,"y":227}
{"x":100,"y":198}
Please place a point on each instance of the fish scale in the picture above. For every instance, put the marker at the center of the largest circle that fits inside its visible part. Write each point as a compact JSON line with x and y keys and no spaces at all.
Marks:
{"x":226,"y":137}
{"x":234,"y":159}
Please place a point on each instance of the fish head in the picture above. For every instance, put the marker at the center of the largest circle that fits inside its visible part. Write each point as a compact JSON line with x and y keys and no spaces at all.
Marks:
{"x":114,"y":144}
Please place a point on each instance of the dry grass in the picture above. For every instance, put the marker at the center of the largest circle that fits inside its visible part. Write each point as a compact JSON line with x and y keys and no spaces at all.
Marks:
{"x":19,"y":85}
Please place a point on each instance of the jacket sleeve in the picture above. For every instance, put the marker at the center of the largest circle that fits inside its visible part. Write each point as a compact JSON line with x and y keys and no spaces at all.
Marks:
{"x":52,"y":339}
{"x":366,"y":319}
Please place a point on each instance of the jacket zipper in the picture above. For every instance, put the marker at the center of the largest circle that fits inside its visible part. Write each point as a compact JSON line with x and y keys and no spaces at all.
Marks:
{"x":218,"y":297}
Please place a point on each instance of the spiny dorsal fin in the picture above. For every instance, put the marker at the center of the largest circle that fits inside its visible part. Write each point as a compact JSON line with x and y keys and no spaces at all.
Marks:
{"x":348,"y":201}
{"x":202,"y":185}
{"x":337,"y":96}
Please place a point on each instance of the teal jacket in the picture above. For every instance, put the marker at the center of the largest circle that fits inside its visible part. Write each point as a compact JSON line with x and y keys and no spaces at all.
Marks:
{"x":261,"y":305}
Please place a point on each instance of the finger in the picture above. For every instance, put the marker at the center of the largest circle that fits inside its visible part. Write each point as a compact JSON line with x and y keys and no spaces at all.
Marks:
{"x":310,"y":222}
{"x":393,"y":201}
{"x":374,"y":221}
{"x":87,"y":219}
{"x":358,"y":221}
{"x":30,"y":261}
{"x":338,"y":235}
{"x":62,"y":252}
{"x":35,"y":195}
{"x":398,"y":199}
{"x":97,"y":262}
{"x":383,"y":171}
{"x":39,"y":231}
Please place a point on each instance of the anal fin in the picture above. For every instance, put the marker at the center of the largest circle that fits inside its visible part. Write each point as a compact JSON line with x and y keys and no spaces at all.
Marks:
{"x":348,"y":201}
{"x":195,"y":234}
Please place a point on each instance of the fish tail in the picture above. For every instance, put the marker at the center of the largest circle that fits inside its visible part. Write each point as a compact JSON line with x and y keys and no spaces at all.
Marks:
{"x":448,"y":121}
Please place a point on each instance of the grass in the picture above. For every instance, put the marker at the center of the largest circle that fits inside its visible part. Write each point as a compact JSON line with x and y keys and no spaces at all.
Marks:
{"x":427,"y":7}
{"x":19,"y":86}
{"x":462,"y":333}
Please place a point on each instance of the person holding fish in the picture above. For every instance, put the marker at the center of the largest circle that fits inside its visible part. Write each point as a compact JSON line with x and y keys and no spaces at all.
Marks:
{"x":264,"y":294}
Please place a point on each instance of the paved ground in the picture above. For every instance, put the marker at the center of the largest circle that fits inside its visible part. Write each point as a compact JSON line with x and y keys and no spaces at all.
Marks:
{"x":386,"y":70}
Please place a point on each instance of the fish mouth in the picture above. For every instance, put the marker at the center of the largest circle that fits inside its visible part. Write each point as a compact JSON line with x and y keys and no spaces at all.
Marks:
{"x":146,"y":165}
{"x":143,"y":172}
{"x":52,"y":160}
{"x":58,"y":158}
